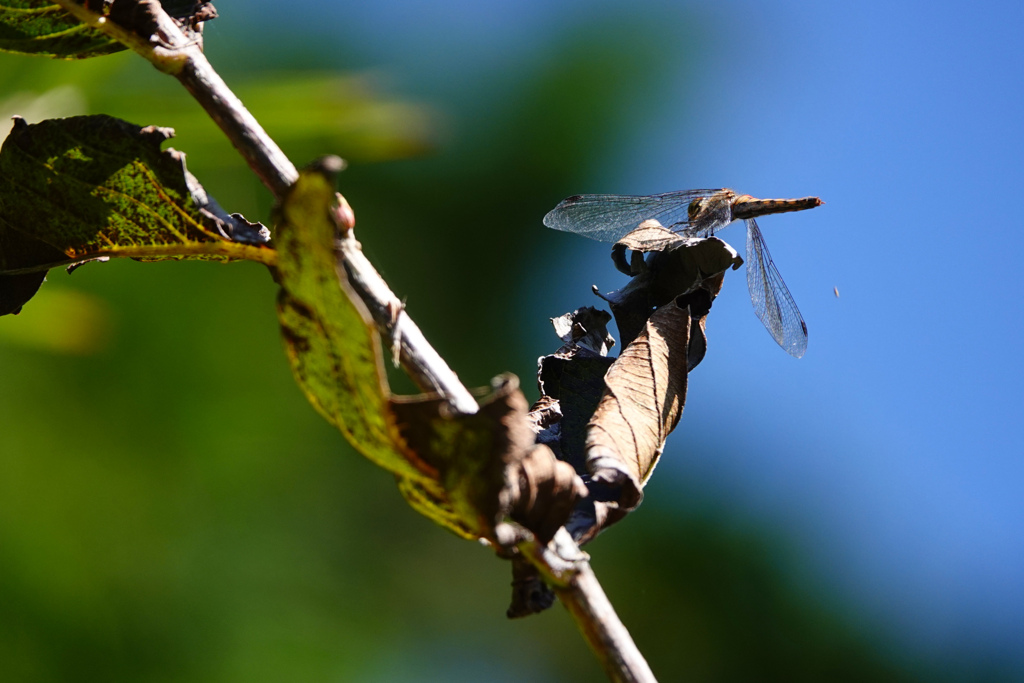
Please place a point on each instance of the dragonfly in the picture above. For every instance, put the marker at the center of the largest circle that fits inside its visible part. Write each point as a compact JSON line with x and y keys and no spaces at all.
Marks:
{"x":700,"y":213}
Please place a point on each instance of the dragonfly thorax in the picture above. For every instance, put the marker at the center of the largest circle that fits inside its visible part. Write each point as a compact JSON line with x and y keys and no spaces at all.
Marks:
{"x":705,"y":215}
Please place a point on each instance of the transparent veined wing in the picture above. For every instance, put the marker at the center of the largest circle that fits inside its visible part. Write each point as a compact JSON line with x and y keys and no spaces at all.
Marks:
{"x":772,"y":301}
{"x":610,"y":217}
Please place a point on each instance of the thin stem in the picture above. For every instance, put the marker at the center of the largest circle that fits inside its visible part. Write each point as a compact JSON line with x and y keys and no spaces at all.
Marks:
{"x":417,"y":357}
{"x":174,"y":54}
{"x":567,"y":569}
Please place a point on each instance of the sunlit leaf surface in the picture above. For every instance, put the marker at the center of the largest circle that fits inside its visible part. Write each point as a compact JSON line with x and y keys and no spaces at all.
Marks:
{"x":331,"y":343}
{"x":39,"y":27}
{"x":92,"y":187}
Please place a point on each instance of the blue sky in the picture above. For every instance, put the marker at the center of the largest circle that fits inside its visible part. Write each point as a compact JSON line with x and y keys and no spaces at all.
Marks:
{"x":892,"y":452}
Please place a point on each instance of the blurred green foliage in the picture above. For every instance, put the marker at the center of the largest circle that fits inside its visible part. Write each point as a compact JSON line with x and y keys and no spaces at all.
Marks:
{"x":171,"y":508}
{"x":62,"y":321}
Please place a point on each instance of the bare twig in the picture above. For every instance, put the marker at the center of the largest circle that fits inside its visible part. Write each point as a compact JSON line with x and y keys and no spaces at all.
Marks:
{"x":567,"y":569}
{"x":174,"y":53}
{"x":563,"y":565}
{"x":417,"y":356}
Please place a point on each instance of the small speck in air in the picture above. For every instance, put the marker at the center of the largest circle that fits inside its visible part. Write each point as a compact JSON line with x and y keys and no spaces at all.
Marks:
{"x":836,"y":291}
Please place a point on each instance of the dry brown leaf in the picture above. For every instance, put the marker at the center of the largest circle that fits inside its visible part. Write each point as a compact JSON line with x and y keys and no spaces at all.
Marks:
{"x":571,"y":381}
{"x":673,"y":266}
{"x":646,"y":391}
{"x":488,"y":464}
{"x":610,"y":418}
{"x":612,"y":427}
{"x":653,"y":236}
{"x":530,"y":594}
{"x":545,"y":490}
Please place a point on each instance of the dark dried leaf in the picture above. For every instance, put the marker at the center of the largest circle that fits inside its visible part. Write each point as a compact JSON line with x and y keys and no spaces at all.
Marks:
{"x":544,"y":492}
{"x":571,"y":382}
{"x":86,"y":187}
{"x":671,"y":268}
{"x":577,"y":383}
{"x":584,"y":329}
{"x":488,"y":464}
{"x":530,"y":595}
{"x":611,"y":426}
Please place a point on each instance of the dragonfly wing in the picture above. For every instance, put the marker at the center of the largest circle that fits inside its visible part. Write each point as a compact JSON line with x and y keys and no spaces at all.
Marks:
{"x":772,"y":301}
{"x":610,"y":217}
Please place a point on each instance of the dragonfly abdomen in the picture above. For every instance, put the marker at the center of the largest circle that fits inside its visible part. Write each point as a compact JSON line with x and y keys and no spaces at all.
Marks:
{"x":745,"y":206}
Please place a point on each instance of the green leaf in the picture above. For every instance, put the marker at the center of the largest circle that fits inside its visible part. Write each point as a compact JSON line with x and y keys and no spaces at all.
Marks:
{"x":88,"y":187}
{"x":433,"y":503}
{"x":329,"y":336}
{"x":465,"y":472}
{"x":39,"y":27}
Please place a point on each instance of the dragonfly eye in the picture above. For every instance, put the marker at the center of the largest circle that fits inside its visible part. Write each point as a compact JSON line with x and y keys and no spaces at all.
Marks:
{"x":694,"y":208}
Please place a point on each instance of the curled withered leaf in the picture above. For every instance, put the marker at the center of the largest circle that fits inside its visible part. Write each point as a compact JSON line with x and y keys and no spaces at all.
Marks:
{"x":652,"y":236}
{"x":612,"y":427}
{"x":488,"y":464}
{"x":609,"y":418}
{"x":530,"y":594}
{"x":584,"y":329}
{"x":644,"y":398}
{"x":674,"y":265}
{"x":546,"y":495}
{"x":544,"y":491}
{"x":571,"y":381}
{"x":646,"y":386}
